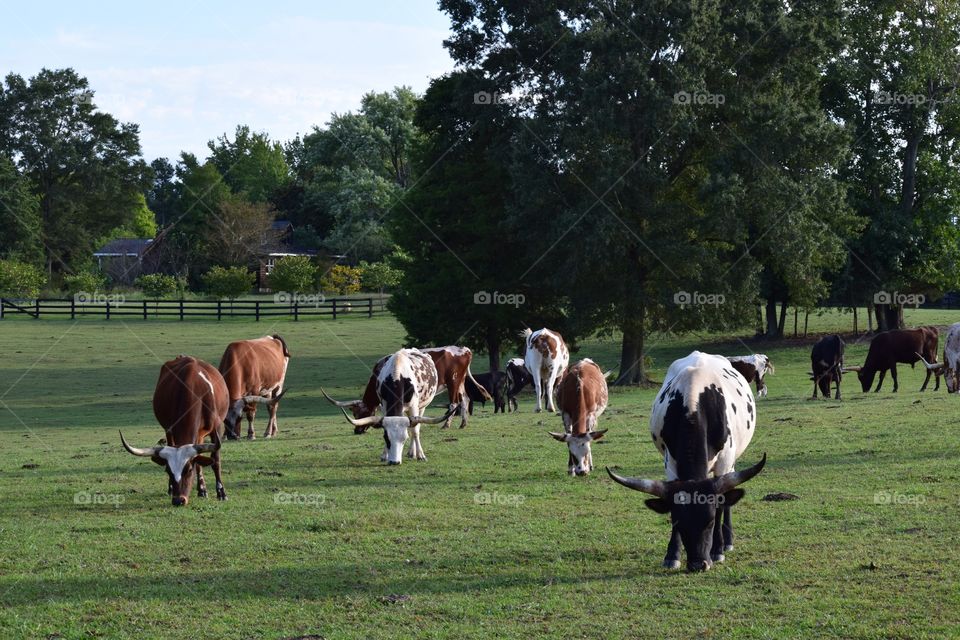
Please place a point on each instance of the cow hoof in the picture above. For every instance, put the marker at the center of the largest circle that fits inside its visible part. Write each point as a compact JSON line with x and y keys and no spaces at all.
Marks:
{"x":202,"y":493}
{"x":221,"y":496}
{"x":537,"y":410}
{"x":717,"y":557}
{"x":671,"y":564}
{"x":728,"y":547}
{"x":251,"y":437}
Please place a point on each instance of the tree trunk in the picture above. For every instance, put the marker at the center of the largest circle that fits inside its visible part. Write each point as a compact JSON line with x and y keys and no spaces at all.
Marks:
{"x":493,"y":349}
{"x":855,"y":332}
{"x":870,"y":311}
{"x":759,"y":320}
{"x":796,"y":314}
{"x":771,"y":317}
{"x":783,"y":319}
{"x":889,"y":317}
{"x":631,"y":352}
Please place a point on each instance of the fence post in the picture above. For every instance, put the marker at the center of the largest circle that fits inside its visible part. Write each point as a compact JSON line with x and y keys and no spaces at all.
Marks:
{"x":219,"y":309}
{"x":334,"y":308}
{"x":256,"y":310}
{"x":296,"y":310}
{"x":369,"y":307}
{"x":73,"y":308}
{"x":107,"y":307}
{"x":1,"y":308}
{"x":144,"y":308}
{"x":181,"y":309}
{"x":36,"y":304}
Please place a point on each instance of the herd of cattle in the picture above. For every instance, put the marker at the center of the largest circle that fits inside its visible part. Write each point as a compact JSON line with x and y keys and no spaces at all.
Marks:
{"x":702,"y":420}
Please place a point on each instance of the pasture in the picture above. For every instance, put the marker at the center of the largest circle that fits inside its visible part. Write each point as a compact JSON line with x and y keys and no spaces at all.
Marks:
{"x":487,"y":538}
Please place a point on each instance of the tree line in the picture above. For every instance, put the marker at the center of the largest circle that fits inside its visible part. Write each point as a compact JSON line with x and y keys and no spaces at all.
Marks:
{"x":620,"y":167}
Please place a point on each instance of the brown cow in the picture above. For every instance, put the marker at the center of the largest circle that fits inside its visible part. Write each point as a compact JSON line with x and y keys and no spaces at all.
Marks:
{"x":453,"y":370}
{"x":190,"y":403}
{"x":254,"y":371}
{"x":902,"y":345}
{"x":582,"y":396}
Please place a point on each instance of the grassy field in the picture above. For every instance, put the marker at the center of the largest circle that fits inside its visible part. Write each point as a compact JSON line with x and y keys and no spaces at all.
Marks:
{"x":488,"y":537}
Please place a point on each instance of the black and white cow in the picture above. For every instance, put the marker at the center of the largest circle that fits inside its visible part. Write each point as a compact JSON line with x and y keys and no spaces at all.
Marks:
{"x":826,"y":362}
{"x":753,"y":367}
{"x":406,"y":385}
{"x":702,"y":421}
{"x":517,"y":380}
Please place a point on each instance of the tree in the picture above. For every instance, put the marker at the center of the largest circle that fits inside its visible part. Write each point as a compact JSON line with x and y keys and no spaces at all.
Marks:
{"x":20,"y":225}
{"x":895,"y":86}
{"x":228,"y":282}
{"x":84,"y":165}
{"x":250,"y":163}
{"x":341,"y":279}
{"x":295,"y":274}
{"x":142,"y":225}
{"x":164,"y":192}
{"x":238,"y":230}
{"x":157,"y":285}
{"x":378,"y":276}
{"x":20,"y":280}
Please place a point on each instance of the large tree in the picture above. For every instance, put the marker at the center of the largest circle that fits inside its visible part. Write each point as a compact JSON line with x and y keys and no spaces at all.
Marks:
{"x":83,"y":164}
{"x":250,"y":163}
{"x":20,"y":228}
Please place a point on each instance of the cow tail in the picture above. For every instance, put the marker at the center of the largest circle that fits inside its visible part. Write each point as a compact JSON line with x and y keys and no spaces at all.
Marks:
{"x":479,"y":386}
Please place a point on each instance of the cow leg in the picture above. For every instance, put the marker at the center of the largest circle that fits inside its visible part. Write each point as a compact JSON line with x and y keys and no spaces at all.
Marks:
{"x":272,"y":422}
{"x":716,"y":549}
{"x":937,"y":386}
{"x":837,"y":380}
{"x":386,"y":447}
{"x":512,"y":404}
{"x":814,"y":396}
{"x":465,"y":403}
{"x":727,"y":530}
{"x":883,"y":374}
{"x":761,"y":389}
{"x":537,"y":389}
{"x":201,"y":483}
{"x":251,"y":413}
{"x":672,"y":559}
{"x":549,"y":392}
{"x":470,"y":406}
{"x":926,"y":380}
{"x":893,"y":374}
{"x":417,"y":447}
{"x":214,"y":460}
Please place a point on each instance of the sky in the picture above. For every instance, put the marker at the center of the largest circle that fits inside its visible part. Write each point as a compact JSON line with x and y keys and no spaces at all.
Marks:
{"x":188,"y":72}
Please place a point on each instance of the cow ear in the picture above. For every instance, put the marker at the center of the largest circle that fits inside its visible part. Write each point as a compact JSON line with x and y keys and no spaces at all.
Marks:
{"x":732,"y":497}
{"x":596,"y":435}
{"x":559,"y":437}
{"x":658,"y":504}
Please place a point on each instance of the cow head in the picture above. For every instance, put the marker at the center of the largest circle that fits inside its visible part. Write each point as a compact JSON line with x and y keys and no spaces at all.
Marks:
{"x":178,"y":462}
{"x":581,"y":459}
{"x":693,"y":506}
{"x":358,"y":408}
{"x":866,"y":378}
{"x":395,"y":429}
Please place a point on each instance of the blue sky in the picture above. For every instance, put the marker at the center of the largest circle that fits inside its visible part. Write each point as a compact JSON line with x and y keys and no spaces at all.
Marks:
{"x":187,"y":72}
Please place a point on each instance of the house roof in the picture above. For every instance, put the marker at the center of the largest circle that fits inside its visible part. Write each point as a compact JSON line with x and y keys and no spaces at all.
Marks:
{"x":281,"y":225}
{"x":124,"y":247}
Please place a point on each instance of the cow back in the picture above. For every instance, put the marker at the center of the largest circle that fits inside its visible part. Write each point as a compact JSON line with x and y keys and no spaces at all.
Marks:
{"x":582,"y":393}
{"x":190,"y":400}
{"x":251,"y":366}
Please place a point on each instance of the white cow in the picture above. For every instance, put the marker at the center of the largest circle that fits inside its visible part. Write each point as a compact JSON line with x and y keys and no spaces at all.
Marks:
{"x":546,"y":358}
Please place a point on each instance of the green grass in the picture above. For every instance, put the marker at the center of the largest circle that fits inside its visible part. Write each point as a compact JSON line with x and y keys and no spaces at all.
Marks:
{"x":410,"y":551}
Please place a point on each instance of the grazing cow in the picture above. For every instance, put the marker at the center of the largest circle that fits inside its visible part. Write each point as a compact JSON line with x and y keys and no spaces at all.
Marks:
{"x":901,"y":345}
{"x":753,"y":368}
{"x":517,"y":379}
{"x":826,"y":358}
{"x":368,"y":404}
{"x":494,"y":383}
{"x":254,"y":371}
{"x":406,"y":385}
{"x":950,"y":367}
{"x":582,"y":396}
{"x":702,"y":421}
{"x":453,"y":371}
{"x":546,"y":358}
{"x":190,"y":403}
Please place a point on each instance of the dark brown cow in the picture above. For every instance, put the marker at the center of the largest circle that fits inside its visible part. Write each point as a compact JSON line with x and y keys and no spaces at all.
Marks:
{"x":582,"y":397}
{"x":190,"y":403}
{"x":453,"y":370}
{"x":906,"y":346}
{"x":254,"y":371}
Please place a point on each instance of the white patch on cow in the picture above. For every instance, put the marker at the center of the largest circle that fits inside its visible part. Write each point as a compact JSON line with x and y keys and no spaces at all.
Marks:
{"x":545,"y":368}
{"x":177,"y":458}
{"x":689,"y":376}
{"x":518,"y":362}
{"x":396,"y":428}
{"x":207,"y":380}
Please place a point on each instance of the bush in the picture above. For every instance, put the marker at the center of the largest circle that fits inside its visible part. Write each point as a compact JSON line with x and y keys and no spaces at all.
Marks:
{"x":157,"y":285}
{"x":229,"y":282}
{"x":378,"y":276}
{"x":342,"y":280}
{"x":20,"y":280}
{"x":295,"y":274}
{"x":83,"y":281}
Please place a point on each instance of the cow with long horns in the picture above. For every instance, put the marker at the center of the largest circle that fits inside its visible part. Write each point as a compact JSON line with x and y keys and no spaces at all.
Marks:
{"x":703,"y":418}
{"x":907,"y":346}
{"x":254,"y":371}
{"x":190,"y":403}
{"x":406,"y":383}
{"x":582,"y":396}
{"x":950,"y":367}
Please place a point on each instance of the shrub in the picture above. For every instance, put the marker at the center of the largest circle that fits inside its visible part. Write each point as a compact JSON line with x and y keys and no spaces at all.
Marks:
{"x":20,"y":280}
{"x":157,"y":285}
{"x":228,"y":282}
{"x":342,"y":280}
{"x":378,"y":276}
{"x":83,"y":281}
{"x":295,"y":274}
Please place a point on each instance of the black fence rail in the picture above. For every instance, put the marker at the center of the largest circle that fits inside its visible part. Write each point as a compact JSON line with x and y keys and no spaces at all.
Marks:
{"x":109,"y":307}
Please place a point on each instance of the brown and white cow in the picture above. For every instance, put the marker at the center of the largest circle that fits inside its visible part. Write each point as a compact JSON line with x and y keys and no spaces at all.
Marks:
{"x":254,"y":371}
{"x":546,"y":358}
{"x":406,"y":384}
{"x":753,"y":368}
{"x":453,"y":370}
{"x":582,"y":396}
{"x":190,"y":403}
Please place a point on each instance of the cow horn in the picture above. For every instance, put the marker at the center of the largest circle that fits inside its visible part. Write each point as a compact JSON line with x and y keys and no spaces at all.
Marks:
{"x":280,"y":395}
{"x":425,"y":420}
{"x":653,"y":487}
{"x":931,"y":367}
{"x":149,"y":452}
{"x":730,"y":480}
{"x":362,"y":422}
{"x":340,"y":403}
{"x":850,"y":369}
{"x":210,"y":447}
{"x":264,"y":399}
{"x":559,"y":437}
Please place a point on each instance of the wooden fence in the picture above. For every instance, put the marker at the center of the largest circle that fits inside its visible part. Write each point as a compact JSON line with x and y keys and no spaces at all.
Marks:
{"x":109,"y":306}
